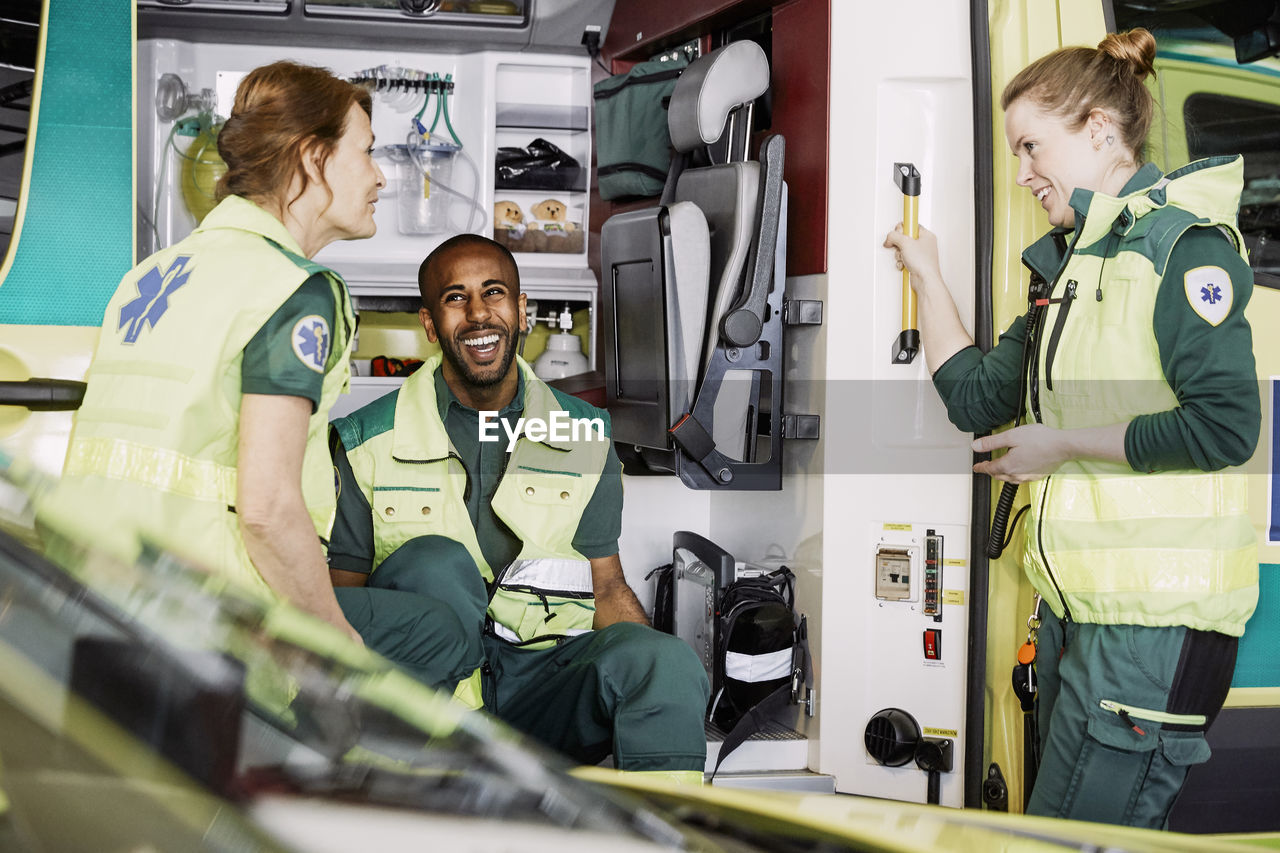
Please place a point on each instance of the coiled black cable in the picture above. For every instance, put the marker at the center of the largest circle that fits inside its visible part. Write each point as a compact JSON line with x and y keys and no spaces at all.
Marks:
{"x":1001,"y":531}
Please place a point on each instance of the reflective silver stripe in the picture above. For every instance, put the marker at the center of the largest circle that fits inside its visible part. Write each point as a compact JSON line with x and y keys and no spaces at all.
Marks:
{"x":167,"y":470}
{"x":550,"y":573}
{"x":502,"y":632}
{"x":753,"y":668}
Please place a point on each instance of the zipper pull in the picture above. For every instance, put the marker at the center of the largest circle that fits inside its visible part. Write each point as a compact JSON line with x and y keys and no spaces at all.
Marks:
{"x":1123,"y":713}
{"x":1128,"y":721}
{"x":1072,"y":284}
{"x":546,"y":606}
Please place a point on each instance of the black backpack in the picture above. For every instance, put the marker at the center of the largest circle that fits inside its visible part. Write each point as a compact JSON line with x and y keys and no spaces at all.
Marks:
{"x":755,"y":644}
{"x":762,"y":657}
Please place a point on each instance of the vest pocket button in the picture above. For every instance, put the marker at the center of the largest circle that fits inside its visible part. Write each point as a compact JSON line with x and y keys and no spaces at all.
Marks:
{"x":528,"y":490}
{"x":426,"y":510}
{"x":564,"y":496}
{"x":390,"y":510}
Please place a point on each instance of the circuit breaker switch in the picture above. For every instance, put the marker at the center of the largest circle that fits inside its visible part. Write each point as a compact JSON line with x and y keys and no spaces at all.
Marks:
{"x":893,"y":574}
{"x":933,"y":644}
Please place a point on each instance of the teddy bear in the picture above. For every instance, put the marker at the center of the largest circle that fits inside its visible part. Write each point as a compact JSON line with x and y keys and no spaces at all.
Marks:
{"x":552,"y":217}
{"x":507,"y":216}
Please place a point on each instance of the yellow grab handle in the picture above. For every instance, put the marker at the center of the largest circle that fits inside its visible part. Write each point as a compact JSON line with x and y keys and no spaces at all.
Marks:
{"x":907,"y":346}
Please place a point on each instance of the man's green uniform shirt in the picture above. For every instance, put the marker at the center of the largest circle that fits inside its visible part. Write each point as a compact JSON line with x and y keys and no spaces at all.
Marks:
{"x":597,"y":536}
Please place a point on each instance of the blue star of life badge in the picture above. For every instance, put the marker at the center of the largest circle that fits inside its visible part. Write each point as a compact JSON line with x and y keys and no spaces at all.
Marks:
{"x":310,"y":339}
{"x":1209,"y":293}
{"x":154,"y":289}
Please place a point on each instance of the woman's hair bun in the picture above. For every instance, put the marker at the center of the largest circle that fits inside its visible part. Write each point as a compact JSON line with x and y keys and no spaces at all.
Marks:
{"x":1136,"y":48}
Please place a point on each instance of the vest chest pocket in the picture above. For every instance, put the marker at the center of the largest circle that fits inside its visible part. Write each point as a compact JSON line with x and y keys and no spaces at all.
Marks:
{"x":552,"y":488}
{"x":408,"y":506}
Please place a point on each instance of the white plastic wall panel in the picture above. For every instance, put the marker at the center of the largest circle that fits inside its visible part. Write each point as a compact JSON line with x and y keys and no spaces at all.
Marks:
{"x":892,"y":458}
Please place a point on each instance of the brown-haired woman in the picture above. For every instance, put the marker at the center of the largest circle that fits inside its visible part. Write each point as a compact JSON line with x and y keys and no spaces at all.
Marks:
{"x":1134,"y":370}
{"x":205,"y":420}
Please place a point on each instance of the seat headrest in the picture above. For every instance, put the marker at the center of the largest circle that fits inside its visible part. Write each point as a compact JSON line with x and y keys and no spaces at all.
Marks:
{"x":710,"y":88}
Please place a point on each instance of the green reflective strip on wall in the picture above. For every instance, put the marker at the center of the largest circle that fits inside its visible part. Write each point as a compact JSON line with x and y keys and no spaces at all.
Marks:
{"x":77,"y":237}
{"x":1258,"y":663}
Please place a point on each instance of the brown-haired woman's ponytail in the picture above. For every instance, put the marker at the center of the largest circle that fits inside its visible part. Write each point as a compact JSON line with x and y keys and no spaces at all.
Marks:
{"x":1136,"y":48}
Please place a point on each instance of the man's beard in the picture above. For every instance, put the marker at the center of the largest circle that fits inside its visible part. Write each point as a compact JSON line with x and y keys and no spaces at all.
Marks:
{"x":454,"y":352}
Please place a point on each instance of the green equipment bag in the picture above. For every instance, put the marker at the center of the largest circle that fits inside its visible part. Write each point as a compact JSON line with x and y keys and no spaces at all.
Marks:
{"x":633,"y":146}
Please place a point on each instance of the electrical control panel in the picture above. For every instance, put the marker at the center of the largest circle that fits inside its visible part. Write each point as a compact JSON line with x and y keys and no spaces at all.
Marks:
{"x":916,"y":628}
{"x":933,"y":575}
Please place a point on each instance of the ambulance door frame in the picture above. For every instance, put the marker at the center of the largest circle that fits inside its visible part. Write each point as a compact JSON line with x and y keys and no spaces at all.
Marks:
{"x":980,"y":506}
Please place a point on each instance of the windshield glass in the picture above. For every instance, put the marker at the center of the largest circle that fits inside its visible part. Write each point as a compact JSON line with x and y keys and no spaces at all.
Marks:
{"x":250,"y":697}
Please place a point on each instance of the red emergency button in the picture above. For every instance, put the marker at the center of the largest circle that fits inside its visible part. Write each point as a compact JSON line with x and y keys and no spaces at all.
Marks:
{"x":933,"y":644}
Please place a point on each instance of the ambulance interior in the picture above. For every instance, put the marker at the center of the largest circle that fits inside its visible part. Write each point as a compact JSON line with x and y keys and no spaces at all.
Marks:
{"x":745,"y":329}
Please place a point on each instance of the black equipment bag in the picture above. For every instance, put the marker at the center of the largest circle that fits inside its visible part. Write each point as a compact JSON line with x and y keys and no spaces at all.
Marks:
{"x":754,"y":643}
{"x":762,"y":656}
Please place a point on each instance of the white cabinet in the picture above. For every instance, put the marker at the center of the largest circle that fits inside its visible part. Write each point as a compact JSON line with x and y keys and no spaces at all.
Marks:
{"x":499,"y":99}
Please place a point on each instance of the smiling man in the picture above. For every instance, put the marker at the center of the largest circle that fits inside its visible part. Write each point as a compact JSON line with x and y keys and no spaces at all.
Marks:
{"x":476,"y":543}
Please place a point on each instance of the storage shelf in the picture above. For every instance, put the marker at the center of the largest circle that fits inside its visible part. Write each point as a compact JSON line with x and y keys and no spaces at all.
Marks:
{"x":577,"y":186}
{"x":542,"y":117}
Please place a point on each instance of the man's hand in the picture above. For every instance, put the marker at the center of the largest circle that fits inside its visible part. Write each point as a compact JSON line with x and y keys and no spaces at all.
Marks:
{"x":615,"y":601}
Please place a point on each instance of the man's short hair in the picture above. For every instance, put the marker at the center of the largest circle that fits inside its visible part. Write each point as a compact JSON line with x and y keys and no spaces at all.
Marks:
{"x":464,"y":241}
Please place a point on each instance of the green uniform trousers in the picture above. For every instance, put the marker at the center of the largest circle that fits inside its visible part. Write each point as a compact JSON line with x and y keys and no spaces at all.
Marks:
{"x":626,"y":689}
{"x":1123,"y":711}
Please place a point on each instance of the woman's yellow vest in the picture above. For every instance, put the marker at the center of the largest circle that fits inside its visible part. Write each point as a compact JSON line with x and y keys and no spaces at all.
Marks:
{"x":1105,"y":544}
{"x":156,"y":437}
{"x":415,"y":483}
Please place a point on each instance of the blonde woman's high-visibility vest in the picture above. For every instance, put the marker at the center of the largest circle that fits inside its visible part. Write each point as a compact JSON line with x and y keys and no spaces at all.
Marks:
{"x":1104,"y":543}
{"x":155,"y":440}
{"x":415,"y":483}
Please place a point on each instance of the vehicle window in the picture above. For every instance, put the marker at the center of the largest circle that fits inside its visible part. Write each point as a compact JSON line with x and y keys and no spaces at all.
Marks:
{"x":1217,"y":87}
{"x":1221,"y":124}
